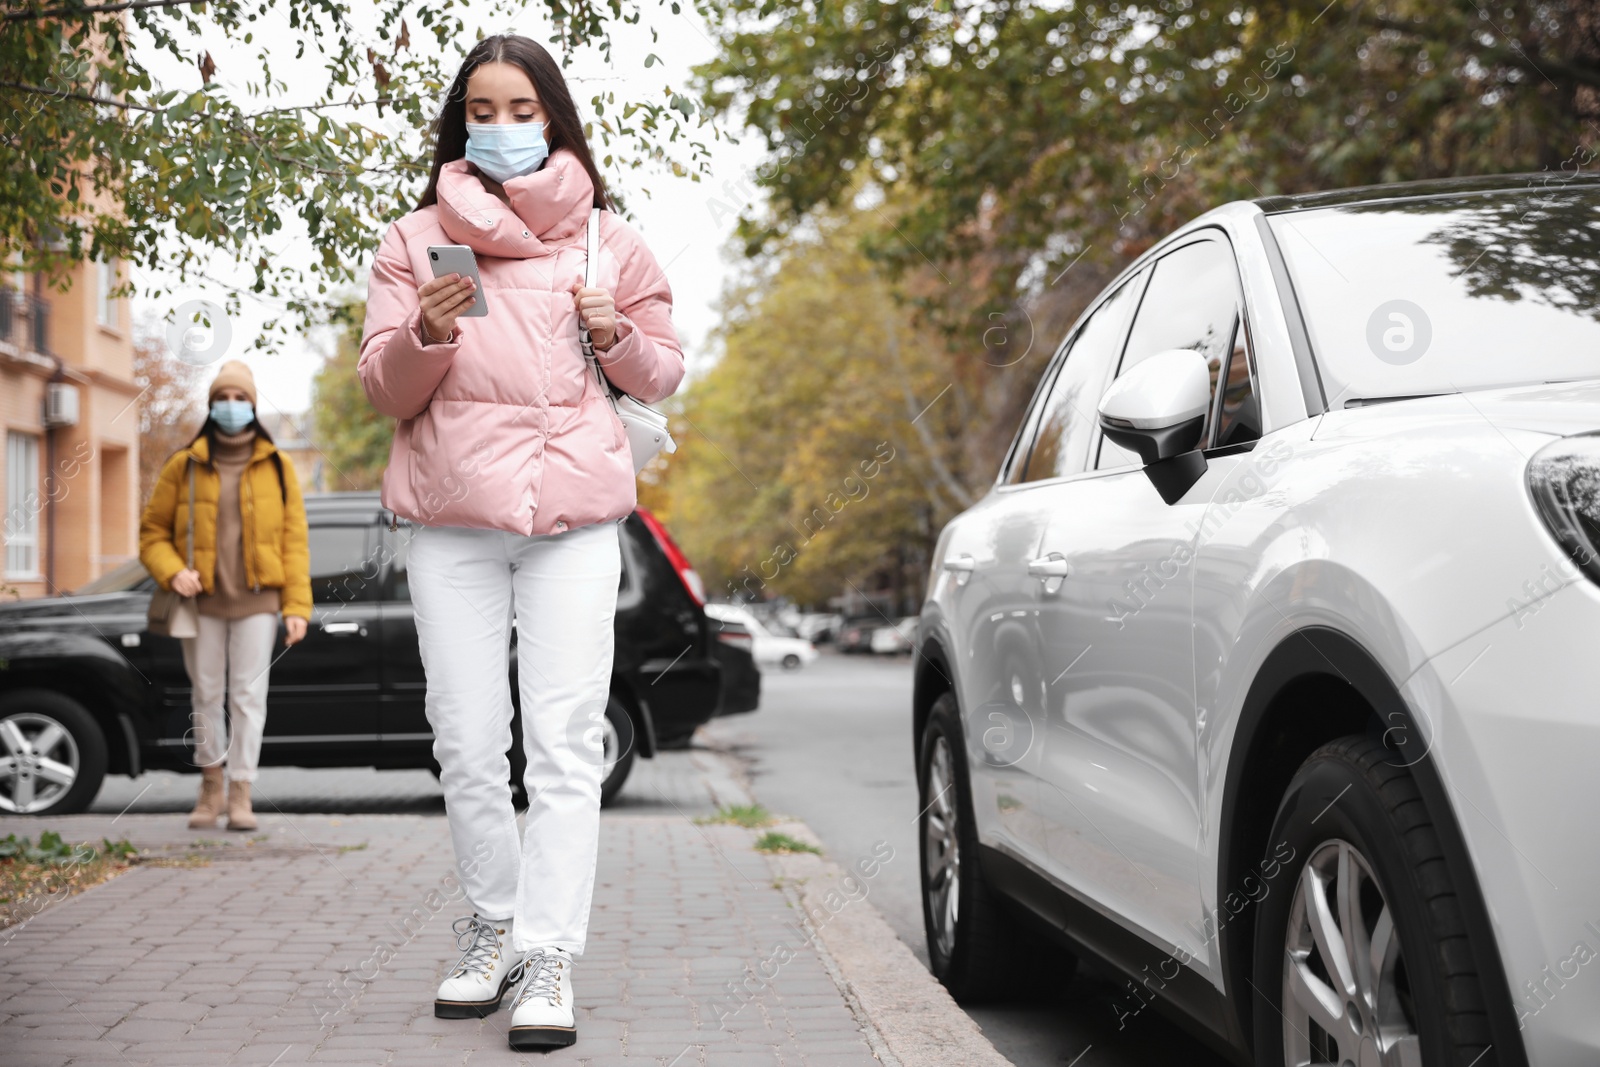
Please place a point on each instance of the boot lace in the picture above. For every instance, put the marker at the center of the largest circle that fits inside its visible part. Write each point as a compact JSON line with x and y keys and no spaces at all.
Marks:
{"x":479,"y":942}
{"x":541,"y":977}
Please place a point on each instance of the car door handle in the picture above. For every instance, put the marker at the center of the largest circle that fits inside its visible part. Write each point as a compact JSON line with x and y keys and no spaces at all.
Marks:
{"x":962,"y":562}
{"x":1049,"y":567}
{"x":343,"y":628}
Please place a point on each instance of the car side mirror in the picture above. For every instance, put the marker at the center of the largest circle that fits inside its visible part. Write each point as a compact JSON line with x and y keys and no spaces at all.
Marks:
{"x":1158,"y":410}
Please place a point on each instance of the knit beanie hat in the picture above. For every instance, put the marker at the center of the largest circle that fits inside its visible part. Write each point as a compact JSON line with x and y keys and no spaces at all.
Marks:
{"x":236,"y":374}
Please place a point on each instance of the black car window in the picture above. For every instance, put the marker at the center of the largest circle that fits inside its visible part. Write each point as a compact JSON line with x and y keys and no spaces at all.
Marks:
{"x":343,"y":569}
{"x":1192,"y":302}
{"x":1067,"y":422}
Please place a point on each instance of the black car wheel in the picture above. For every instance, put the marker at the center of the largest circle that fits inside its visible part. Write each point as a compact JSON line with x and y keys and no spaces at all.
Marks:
{"x":791,"y":661}
{"x":617,"y":744}
{"x":976,"y":946}
{"x":52,"y":754}
{"x":1362,"y":955}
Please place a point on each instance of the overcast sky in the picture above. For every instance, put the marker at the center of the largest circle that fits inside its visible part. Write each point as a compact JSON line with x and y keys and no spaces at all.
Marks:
{"x":686,"y":224}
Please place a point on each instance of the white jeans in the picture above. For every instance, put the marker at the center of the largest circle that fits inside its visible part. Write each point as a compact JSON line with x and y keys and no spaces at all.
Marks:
{"x":466,"y":585}
{"x":229,"y":659}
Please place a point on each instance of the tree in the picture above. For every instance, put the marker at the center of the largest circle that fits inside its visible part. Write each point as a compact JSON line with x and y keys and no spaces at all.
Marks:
{"x":170,"y":413}
{"x":1009,"y":140}
{"x":99,"y":161}
{"x":353,"y":438}
{"x":824,"y":449}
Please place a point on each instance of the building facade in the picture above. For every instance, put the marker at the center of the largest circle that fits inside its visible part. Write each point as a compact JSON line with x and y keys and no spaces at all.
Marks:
{"x":69,"y":409}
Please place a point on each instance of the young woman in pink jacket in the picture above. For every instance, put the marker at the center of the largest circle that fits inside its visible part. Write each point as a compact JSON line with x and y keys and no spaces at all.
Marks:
{"x":515,"y":473}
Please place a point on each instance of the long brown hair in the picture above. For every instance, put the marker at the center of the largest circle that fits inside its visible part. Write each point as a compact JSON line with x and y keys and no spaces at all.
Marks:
{"x":449,"y":126}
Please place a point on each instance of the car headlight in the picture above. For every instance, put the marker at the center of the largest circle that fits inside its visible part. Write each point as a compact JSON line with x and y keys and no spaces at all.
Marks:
{"x":1564,"y":479}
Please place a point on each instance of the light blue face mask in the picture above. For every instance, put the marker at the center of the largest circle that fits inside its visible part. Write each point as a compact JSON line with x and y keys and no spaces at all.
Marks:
{"x":232,"y":415}
{"x":506,"y":150}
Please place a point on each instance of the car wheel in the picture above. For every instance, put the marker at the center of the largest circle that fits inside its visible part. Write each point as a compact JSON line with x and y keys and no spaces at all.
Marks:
{"x":619,"y":750}
{"x":52,"y":754}
{"x":791,"y":661}
{"x":1362,"y":954}
{"x":977,"y":948}
{"x":617,"y":744}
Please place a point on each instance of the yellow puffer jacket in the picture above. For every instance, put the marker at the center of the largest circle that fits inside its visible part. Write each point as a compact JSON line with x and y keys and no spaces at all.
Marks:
{"x":276,"y":553}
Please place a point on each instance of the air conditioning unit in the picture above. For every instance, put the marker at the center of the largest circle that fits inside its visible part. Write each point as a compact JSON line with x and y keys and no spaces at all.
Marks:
{"x":60,"y":404}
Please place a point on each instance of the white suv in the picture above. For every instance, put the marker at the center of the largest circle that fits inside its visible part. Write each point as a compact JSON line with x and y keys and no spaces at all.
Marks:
{"x":1269,"y":669}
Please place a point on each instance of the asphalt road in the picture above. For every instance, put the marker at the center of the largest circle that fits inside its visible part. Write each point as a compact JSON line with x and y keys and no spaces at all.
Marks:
{"x":831,"y":745}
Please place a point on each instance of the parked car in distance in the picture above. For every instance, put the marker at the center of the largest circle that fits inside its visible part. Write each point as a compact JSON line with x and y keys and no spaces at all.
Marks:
{"x":1265,"y":669}
{"x":895,"y":640}
{"x":771,"y":648}
{"x":820,"y":628}
{"x":855,"y":636}
{"x":87,"y":691}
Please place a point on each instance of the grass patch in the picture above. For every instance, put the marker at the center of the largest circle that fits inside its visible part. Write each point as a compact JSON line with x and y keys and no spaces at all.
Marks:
{"x":351,"y":848}
{"x":752,"y":816}
{"x":34,"y":876}
{"x":772,"y":841}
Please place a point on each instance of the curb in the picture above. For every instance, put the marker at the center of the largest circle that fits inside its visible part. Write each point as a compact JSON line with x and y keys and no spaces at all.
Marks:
{"x":906,"y":1015}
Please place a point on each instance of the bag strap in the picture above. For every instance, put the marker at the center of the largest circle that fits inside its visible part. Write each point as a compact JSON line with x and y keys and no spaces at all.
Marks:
{"x":189,"y":557}
{"x":591,"y":257}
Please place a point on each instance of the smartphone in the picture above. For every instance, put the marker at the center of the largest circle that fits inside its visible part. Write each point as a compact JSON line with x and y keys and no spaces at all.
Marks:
{"x":458,"y":259}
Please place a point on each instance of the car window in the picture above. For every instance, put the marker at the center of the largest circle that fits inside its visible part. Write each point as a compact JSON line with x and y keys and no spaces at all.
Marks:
{"x":1238,"y":412}
{"x":1067,"y":422}
{"x":342,"y":568}
{"x":1192,"y":302}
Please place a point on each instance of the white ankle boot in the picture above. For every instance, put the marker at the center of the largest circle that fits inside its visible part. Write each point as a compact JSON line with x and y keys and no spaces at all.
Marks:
{"x":481,"y":977}
{"x":541,"y":1014}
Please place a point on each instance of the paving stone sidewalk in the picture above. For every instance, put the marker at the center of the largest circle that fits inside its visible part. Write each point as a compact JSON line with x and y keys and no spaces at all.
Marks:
{"x":321,"y":939}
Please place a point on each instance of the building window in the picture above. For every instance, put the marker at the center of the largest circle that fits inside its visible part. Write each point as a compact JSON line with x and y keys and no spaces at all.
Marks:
{"x":106,"y":272}
{"x":22,"y":505}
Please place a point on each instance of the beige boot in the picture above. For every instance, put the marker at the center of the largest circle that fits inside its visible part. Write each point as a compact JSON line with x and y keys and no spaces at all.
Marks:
{"x":240,"y":817}
{"x":209,"y":806}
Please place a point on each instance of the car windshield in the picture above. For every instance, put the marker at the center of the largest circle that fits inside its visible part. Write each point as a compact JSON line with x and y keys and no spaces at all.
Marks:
{"x":1446,"y":294}
{"x":120,"y":580}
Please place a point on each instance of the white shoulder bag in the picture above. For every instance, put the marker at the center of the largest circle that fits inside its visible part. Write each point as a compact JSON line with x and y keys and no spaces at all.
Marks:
{"x":646,"y":427}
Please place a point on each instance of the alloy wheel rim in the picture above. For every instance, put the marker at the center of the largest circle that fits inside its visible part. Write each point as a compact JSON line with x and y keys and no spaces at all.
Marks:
{"x":39,"y":762}
{"x":941,"y":848}
{"x":1346,"y":996}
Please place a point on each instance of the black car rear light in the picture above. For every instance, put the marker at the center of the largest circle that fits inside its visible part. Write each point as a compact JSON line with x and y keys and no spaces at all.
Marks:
{"x":1564,"y":480}
{"x":680,"y":563}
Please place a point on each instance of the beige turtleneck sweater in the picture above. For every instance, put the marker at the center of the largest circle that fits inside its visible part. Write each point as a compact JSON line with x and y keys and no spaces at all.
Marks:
{"x":232,"y":597}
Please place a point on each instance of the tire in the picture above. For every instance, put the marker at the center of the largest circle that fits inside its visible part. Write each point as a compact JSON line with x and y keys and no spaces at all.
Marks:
{"x":618,"y":738}
{"x":619,"y":728}
{"x":1354,"y":818}
{"x":63,"y":776}
{"x":791,"y":662}
{"x":976,"y":947}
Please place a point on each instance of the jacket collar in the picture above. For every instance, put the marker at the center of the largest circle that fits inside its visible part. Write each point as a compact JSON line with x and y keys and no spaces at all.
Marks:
{"x":200,"y":449}
{"x":547,"y":207}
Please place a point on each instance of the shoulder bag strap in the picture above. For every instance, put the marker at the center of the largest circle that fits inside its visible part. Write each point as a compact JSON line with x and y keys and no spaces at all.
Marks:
{"x":591,"y":257}
{"x":189,"y":558}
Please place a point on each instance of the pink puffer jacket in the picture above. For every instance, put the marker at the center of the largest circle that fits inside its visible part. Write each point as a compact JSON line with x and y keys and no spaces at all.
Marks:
{"x":504,"y":428}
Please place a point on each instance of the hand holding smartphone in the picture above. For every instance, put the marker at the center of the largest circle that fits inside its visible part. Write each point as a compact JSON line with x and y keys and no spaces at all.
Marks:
{"x":443,"y":300}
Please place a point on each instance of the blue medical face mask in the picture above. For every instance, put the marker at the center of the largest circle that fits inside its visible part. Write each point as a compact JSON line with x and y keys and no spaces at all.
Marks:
{"x":232,"y":415}
{"x":506,"y":150}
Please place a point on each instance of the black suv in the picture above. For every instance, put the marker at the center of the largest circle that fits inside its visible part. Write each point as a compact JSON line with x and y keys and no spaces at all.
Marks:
{"x":86,"y":690}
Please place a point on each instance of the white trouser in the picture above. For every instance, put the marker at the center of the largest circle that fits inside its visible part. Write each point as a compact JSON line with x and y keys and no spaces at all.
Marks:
{"x":230,"y":659}
{"x":466,"y":585}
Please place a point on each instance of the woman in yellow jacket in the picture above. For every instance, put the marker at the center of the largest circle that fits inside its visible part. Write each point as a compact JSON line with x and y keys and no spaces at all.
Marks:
{"x":251,"y":563}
